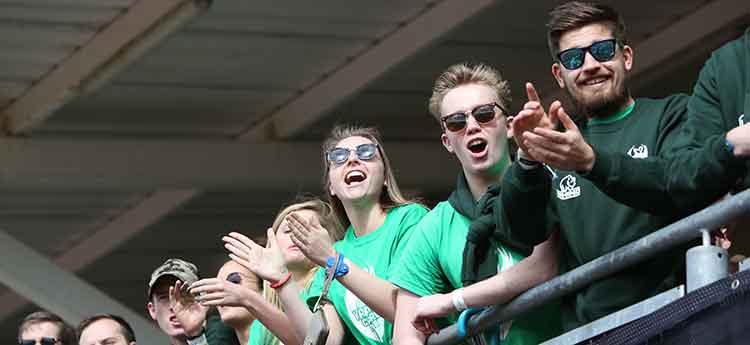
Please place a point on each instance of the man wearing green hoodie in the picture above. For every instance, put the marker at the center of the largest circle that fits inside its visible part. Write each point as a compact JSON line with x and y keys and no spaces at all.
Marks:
{"x":453,"y":245}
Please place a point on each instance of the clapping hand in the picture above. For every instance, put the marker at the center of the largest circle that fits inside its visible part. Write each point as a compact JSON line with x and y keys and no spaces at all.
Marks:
{"x":267,"y":263}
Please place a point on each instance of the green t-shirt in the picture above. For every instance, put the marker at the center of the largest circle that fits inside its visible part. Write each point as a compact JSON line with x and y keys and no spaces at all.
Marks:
{"x":375,"y":252}
{"x":432,"y":264}
{"x":260,"y":335}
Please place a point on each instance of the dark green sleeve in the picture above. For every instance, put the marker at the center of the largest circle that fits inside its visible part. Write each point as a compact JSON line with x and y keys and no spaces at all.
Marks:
{"x":524,"y":201}
{"x":217,"y":333}
{"x":704,"y":170}
{"x":691,"y":168}
{"x":638,"y":183}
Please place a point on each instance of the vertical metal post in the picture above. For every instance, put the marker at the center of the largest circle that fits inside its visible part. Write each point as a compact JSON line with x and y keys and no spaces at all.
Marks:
{"x":706,"y":263}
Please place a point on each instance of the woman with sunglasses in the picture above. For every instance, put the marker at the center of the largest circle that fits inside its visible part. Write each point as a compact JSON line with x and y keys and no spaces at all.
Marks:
{"x":271,"y":326}
{"x":366,"y":198}
{"x":363,"y":191}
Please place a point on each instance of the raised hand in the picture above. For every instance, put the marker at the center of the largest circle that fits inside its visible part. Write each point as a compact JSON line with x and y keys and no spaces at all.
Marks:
{"x":215,"y":292}
{"x":561,"y":150}
{"x":311,"y":238}
{"x":430,"y":307}
{"x":531,"y":116}
{"x":189,"y":314}
{"x":267,"y":263}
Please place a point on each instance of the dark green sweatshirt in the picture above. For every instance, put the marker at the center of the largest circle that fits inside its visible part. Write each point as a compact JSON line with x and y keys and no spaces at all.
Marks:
{"x":699,"y":169}
{"x":592,"y":223}
{"x":218,"y":333}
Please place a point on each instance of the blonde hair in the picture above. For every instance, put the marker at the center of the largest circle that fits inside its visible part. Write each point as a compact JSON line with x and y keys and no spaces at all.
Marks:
{"x":465,"y":73}
{"x":329,"y":221}
{"x":391,"y":196}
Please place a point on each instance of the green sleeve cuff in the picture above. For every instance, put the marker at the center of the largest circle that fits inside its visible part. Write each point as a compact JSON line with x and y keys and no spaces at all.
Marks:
{"x":726,"y":158}
{"x":735,"y":167}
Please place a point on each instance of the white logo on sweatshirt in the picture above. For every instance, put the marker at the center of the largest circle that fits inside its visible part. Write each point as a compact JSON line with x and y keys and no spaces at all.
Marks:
{"x":741,"y":119}
{"x":639,"y":152}
{"x":568,"y":188}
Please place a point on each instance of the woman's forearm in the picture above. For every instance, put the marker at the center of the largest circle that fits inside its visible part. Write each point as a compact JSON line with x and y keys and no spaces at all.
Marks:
{"x":296,"y":310}
{"x":377,"y":293}
{"x":272,"y":318}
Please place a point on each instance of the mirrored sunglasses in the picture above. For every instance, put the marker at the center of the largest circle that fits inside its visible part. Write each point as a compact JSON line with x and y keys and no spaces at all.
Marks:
{"x":601,"y":51}
{"x":339,"y":155}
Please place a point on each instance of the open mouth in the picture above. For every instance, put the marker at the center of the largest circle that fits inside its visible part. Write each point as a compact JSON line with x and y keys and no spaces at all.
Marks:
{"x":354,"y":176}
{"x":175,"y":324}
{"x":477,"y":145}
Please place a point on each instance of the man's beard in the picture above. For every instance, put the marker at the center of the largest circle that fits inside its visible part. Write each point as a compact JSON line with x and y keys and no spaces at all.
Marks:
{"x":599,"y":106}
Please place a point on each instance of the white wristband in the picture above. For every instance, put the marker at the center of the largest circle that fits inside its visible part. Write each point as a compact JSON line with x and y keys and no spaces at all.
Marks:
{"x":457,"y":296}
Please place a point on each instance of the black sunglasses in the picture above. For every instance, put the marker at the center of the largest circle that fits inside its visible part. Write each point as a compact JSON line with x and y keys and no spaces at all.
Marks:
{"x":42,"y":341}
{"x":601,"y":51}
{"x":234,"y":278}
{"x":482,"y":113}
{"x":339,"y":155}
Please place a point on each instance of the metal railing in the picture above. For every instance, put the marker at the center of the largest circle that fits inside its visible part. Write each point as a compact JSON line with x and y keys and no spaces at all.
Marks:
{"x":678,"y":233}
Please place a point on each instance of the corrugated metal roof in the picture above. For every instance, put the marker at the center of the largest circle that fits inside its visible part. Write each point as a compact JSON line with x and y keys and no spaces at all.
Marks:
{"x":232,"y":67}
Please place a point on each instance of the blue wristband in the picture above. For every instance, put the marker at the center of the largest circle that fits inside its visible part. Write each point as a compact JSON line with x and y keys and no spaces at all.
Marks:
{"x":729,"y":147}
{"x":341,"y":270}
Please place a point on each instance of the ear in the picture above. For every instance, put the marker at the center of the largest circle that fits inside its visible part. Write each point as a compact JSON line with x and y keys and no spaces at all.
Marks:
{"x":446,"y":142}
{"x":627,"y":54}
{"x":557,"y":73}
{"x":151,"y":310}
{"x":508,"y":127}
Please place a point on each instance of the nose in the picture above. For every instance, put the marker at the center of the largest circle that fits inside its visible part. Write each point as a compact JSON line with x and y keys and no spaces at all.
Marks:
{"x":472,"y":125}
{"x":589,"y":63}
{"x":352,"y":157}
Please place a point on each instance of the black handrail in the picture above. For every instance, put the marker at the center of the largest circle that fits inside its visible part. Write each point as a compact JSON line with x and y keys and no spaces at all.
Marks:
{"x":678,"y":233}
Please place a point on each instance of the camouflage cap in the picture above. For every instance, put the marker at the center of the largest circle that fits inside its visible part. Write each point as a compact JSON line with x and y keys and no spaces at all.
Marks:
{"x":181,"y":269}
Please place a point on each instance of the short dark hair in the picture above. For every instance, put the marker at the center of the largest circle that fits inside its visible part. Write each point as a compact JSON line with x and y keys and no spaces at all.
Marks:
{"x":67,"y":335}
{"x":575,"y":14}
{"x":125,"y":328}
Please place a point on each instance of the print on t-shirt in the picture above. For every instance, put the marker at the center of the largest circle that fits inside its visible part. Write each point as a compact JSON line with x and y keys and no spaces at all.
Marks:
{"x":367,"y":321}
{"x":638,"y":152}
